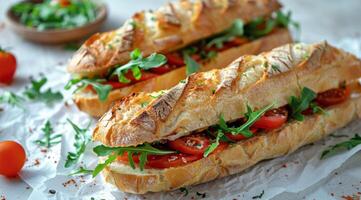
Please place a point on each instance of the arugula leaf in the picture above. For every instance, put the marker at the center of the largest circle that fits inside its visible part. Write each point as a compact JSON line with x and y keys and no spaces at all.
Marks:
{"x":34,"y":92}
{"x":136,"y":64}
{"x":251,"y":116}
{"x":49,"y":139}
{"x":353,"y":142}
{"x":317,"y":109}
{"x":102,"y":90}
{"x":112,"y":153}
{"x":298,"y":105}
{"x":214,"y":145}
{"x":81,"y":140}
{"x":253,"y":30}
{"x":236,"y":30}
{"x":191,"y":65}
{"x":81,"y":170}
{"x":11,"y":99}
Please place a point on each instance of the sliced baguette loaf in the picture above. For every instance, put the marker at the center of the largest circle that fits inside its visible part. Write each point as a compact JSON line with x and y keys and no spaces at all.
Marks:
{"x":89,"y":102}
{"x":170,"y":27}
{"x":198,"y":102}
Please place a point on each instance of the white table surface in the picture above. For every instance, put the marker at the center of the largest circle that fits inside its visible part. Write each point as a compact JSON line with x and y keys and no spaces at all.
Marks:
{"x":320,"y":20}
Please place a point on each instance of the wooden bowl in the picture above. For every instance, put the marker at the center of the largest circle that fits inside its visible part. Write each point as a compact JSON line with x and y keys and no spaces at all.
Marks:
{"x":57,"y":36}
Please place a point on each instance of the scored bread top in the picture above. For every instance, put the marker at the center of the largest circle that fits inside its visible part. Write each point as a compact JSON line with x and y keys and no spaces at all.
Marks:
{"x":198,"y":102}
{"x":170,"y":27}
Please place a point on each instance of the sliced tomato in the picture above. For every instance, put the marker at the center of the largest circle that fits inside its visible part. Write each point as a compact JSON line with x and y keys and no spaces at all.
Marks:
{"x":175,"y":59}
{"x":124,"y":158}
{"x":240,"y":137}
{"x":194,"y":144}
{"x":333,"y":96}
{"x":162,"y":69}
{"x":237,"y":41}
{"x":170,"y":160}
{"x":272,"y":119}
{"x":116,"y":84}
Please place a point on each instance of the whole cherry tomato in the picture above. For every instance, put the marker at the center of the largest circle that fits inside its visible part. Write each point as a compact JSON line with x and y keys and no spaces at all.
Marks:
{"x":7,"y":66}
{"x":12,"y":158}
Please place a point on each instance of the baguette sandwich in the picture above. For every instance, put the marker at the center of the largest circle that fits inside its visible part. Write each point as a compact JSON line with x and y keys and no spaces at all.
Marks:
{"x":155,"y":50}
{"x":217,"y":123}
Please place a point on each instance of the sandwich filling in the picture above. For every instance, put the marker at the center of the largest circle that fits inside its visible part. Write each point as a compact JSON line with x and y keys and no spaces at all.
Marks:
{"x":139,"y":69}
{"x":200,"y":144}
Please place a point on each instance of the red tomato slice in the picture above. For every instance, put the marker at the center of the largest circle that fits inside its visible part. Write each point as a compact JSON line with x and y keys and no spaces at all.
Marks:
{"x":162,"y":69}
{"x":175,"y":59}
{"x":194,"y":144}
{"x":7,"y":67}
{"x":272,"y":119}
{"x":115,"y":84}
{"x":124,"y":158}
{"x":239,"y":137}
{"x":170,"y":160}
{"x":333,"y":96}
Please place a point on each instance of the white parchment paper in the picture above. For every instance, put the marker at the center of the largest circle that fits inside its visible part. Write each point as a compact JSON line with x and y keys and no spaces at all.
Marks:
{"x":44,"y":171}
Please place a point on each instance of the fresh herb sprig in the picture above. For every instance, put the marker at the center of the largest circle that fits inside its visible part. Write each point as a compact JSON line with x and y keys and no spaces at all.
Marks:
{"x":244,"y":129}
{"x":138,"y":63}
{"x":112,"y":152}
{"x":191,"y":65}
{"x":49,"y":139}
{"x":236,"y":30}
{"x":253,"y":30}
{"x":11,"y":99}
{"x":81,"y":140}
{"x":346,"y":145}
{"x":34,"y":92}
{"x":300,"y":104}
{"x":81,"y":170}
{"x":220,"y":136}
{"x":102,"y":90}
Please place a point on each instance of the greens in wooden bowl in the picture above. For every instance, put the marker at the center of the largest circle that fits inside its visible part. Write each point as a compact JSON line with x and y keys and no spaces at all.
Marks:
{"x":55,"y":14}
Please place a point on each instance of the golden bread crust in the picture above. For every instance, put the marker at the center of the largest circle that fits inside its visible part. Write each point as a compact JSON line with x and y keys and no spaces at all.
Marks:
{"x":169,"y":28}
{"x":197,"y":103}
{"x":238,"y":157}
{"x":90,"y":103}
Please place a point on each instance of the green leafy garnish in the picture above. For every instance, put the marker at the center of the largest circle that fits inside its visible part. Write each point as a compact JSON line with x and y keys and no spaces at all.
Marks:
{"x":251,"y":116}
{"x":214,"y":145}
{"x":81,"y":170}
{"x":298,"y":105}
{"x":112,"y":152}
{"x":81,"y":140}
{"x":353,"y":142}
{"x":138,"y":63}
{"x":11,"y":99}
{"x":55,"y":15}
{"x":253,"y":30}
{"x":191,"y":65}
{"x":155,"y":95}
{"x":317,"y":109}
{"x":34,"y":92}
{"x":71,"y":46}
{"x":236,"y":30}
{"x":101,"y":89}
{"x":49,"y":138}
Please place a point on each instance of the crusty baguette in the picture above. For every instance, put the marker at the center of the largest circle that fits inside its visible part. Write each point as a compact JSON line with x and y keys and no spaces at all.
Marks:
{"x":170,"y":27}
{"x":90,"y":103}
{"x":237,"y":157}
{"x":198,"y":102}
